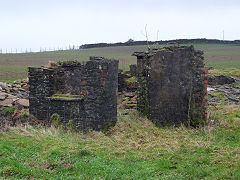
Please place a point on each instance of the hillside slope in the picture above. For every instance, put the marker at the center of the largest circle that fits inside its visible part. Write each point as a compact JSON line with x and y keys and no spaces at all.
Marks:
{"x":14,"y":66}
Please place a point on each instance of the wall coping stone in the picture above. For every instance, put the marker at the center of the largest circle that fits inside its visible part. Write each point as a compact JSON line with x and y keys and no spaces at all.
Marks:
{"x":64,"y":99}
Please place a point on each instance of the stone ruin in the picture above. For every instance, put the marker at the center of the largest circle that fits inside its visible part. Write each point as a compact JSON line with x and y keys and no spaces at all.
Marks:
{"x":85,"y":93}
{"x":171,"y":89}
{"x":172,"y":86}
{"x":126,"y":79}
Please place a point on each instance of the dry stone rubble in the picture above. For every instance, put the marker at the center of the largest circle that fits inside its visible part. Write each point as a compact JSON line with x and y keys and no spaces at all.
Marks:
{"x":14,"y":94}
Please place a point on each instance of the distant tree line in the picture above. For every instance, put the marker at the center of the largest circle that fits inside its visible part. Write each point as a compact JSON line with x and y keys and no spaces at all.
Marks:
{"x":131,"y":42}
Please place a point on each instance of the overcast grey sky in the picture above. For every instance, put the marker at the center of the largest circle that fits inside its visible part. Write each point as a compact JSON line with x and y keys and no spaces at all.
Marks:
{"x":53,"y":23}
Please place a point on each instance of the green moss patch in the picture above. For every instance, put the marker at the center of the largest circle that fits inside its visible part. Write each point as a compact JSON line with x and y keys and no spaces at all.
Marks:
{"x":66,"y":96}
{"x":220,"y":95}
{"x":131,"y":79}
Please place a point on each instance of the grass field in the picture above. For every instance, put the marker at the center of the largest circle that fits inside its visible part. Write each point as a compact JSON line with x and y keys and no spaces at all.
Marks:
{"x":133,"y":149}
{"x":14,"y":66}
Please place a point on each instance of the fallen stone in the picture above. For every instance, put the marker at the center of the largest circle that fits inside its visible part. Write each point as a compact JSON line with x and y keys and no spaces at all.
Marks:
{"x":130,"y":106}
{"x":237,"y":92}
{"x":3,"y":84}
{"x":237,"y":119}
{"x":22,"y":103}
{"x":14,"y":89}
{"x":220,"y":80}
{"x":14,"y":98}
{"x":3,"y":96}
{"x":17,"y":82}
{"x":18,"y":86}
{"x":133,"y":102}
{"x":232,"y":98}
{"x":129,"y":95}
{"x":21,"y":89}
{"x":6,"y":103}
{"x":210,"y":89}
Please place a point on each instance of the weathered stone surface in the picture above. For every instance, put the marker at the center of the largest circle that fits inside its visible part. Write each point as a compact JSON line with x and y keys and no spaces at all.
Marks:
{"x":236,"y":119}
{"x":3,"y":95}
{"x":129,"y":95}
{"x":7,"y":100}
{"x":224,"y":94}
{"x":172,"y":86}
{"x":3,"y":84}
{"x":95,"y":82}
{"x":130,"y":106}
{"x":17,"y":88}
{"x":133,"y":69}
{"x":6,"y":103}
{"x":127,"y":80}
{"x":22,"y":103}
{"x":220,"y":80}
{"x":128,"y":100}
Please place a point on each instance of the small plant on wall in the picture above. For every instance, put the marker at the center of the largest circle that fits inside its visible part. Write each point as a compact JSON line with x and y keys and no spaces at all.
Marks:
{"x":70,"y":124}
{"x":55,"y":120}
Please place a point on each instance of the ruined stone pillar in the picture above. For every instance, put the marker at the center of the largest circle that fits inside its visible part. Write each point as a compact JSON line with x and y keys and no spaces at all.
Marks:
{"x":172,"y":86}
{"x":83,"y":93}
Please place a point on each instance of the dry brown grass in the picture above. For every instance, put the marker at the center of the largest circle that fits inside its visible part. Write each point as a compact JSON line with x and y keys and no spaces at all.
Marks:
{"x":137,"y":135}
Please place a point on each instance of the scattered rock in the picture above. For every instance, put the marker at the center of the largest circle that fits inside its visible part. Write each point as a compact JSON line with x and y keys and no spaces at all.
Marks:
{"x":14,"y":98}
{"x":130,"y":106}
{"x":233,"y":98}
{"x":10,"y":93}
{"x":130,"y":95}
{"x":3,"y":84}
{"x":3,"y":96}
{"x":220,"y":80}
{"x":210,"y":89}
{"x":129,"y":100}
{"x":7,"y":103}
{"x":237,"y":119}
{"x":127,"y":80}
{"x":224,"y":94}
{"x":22,"y":103}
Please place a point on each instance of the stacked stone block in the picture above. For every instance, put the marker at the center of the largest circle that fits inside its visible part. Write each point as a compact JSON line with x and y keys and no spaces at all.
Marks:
{"x":124,"y":85}
{"x":89,"y":89}
{"x":172,"y":86}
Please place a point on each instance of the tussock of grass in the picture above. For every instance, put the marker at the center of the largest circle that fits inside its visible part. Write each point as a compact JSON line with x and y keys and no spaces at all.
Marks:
{"x":134,"y":149}
{"x":8,"y":110}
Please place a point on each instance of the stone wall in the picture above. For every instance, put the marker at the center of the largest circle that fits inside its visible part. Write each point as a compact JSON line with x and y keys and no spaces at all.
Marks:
{"x":83,"y":92}
{"x":179,"y":41}
{"x":172,"y":86}
{"x":127,"y":79}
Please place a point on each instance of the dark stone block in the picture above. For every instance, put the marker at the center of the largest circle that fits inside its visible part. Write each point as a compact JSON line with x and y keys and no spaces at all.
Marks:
{"x":171,"y":88}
